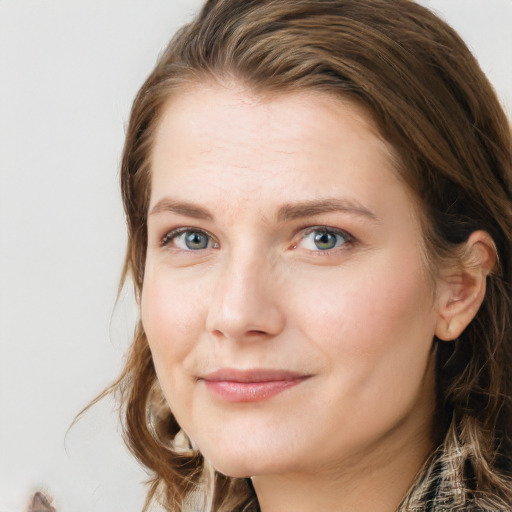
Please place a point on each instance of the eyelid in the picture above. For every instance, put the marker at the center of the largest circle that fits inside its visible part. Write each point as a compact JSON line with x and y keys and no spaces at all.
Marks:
{"x":329,"y":229}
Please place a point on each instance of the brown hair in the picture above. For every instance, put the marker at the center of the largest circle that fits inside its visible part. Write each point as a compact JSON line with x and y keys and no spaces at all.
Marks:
{"x":432,"y":102}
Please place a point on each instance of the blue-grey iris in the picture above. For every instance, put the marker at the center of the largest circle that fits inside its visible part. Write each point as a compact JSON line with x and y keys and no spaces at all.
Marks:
{"x":325,"y":240}
{"x":196,"y":241}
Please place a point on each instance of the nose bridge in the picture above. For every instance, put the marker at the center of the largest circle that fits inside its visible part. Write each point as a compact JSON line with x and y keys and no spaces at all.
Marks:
{"x":245,"y":302}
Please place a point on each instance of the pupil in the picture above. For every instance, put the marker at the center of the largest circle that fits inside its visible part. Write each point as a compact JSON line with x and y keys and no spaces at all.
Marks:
{"x":325,"y":240}
{"x":196,"y":241}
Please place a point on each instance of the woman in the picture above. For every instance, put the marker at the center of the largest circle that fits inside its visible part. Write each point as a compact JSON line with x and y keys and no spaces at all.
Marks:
{"x":318,"y":196}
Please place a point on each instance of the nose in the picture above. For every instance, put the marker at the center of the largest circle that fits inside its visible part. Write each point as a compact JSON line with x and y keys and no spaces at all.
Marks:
{"x":245,"y":305}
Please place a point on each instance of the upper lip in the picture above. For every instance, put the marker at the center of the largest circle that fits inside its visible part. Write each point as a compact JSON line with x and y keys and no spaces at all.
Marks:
{"x":252,"y":375}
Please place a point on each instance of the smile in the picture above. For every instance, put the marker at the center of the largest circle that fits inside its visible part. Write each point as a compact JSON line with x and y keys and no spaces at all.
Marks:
{"x":257,"y":385}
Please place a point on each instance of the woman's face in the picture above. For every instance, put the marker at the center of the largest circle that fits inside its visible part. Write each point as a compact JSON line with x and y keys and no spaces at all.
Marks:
{"x":285,"y":301}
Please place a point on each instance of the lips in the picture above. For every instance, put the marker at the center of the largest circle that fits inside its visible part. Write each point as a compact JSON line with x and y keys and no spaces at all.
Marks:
{"x":233,"y":385}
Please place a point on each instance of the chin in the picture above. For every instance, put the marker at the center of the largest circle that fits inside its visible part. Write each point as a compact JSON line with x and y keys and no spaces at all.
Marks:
{"x":246,"y":463}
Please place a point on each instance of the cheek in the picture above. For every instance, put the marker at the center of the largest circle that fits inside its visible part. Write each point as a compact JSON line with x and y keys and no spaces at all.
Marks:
{"x":374,"y":332}
{"x":370,"y":312}
{"x":171,"y":313}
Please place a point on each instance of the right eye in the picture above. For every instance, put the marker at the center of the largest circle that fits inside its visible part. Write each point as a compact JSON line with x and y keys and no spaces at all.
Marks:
{"x":187,"y":239}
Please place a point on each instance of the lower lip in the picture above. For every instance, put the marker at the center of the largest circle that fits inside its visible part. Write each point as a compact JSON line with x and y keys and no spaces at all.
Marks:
{"x":233,"y":391}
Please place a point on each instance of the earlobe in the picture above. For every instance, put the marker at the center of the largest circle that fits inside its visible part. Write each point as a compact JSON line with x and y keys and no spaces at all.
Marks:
{"x":461,"y":289}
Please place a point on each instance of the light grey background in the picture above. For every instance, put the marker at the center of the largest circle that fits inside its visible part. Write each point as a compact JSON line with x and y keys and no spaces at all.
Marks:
{"x":68,"y":72}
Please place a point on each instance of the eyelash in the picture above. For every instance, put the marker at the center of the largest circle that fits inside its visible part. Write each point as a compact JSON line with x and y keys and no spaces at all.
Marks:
{"x":348,"y":238}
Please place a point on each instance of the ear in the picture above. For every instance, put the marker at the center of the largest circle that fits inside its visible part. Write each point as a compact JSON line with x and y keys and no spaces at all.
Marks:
{"x":461,"y":289}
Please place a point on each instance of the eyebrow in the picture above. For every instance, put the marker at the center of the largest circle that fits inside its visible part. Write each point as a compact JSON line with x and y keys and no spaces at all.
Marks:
{"x":317,"y":207}
{"x":184,"y":208}
{"x":287,"y":212}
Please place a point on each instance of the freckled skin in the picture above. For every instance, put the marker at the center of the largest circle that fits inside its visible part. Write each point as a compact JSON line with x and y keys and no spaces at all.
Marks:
{"x":359,"y":320}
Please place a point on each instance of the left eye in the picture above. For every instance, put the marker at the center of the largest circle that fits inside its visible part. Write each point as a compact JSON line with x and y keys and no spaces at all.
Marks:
{"x":324,"y":239}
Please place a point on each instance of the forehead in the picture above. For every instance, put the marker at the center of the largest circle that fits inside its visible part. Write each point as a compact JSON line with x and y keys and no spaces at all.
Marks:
{"x":227,"y":142}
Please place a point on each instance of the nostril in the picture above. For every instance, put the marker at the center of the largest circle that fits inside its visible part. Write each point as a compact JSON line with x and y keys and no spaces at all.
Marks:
{"x":252,"y":334}
{"x":256,"y":333}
